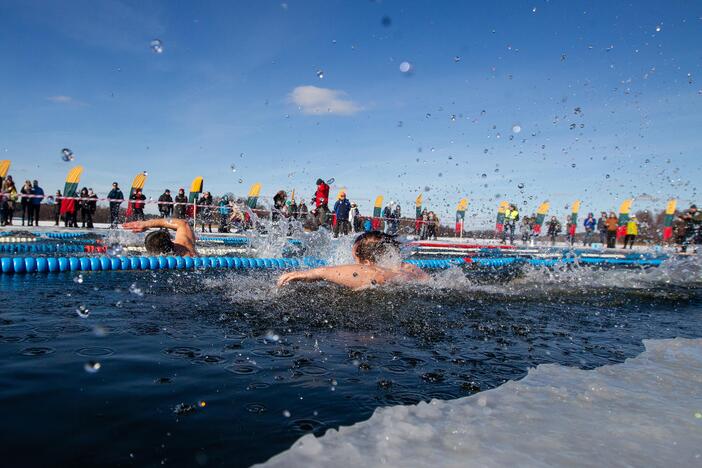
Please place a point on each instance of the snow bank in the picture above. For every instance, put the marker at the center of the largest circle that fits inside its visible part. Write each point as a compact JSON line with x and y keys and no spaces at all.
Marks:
{"x":644,"y":412}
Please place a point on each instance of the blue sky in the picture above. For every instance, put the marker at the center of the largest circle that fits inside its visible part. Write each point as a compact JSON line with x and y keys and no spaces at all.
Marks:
{"x":237,"y":83}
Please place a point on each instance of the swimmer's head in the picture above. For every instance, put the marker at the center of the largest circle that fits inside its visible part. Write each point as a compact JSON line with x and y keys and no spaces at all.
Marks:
{"x":320,"y":181}
{"x":158,"y":242}
{"x":373,"y":246}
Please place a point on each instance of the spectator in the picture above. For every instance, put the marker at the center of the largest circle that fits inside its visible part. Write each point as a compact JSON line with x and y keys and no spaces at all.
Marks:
{"x":115,"y":196}
{"x":279,"y":209}
{"x":165,"y":204}
{"x":57,"y":207}
{"x":342,"y":209}
{"x":554,"y":228}
{"x":26,"y":202}
{"x":224,"y":211}
{"x":38,"y":193}
{"x":92,"y":206}
{"x":511,"y":218}
{"x":138,"y":205}
{"x":387,"y":214}
{"x":589,"y":224}
{"x":86,"y":216}
{"x":395,"y":219}
{"x":693,"y":227}
{"x":181,"y":202}
{"x":356,"y":217}
{"x":9,"y":200}
{"x":602,"y":227}
{"x":612,"y":226}
{"x":302,"y":209}
{"x":432,"y":224}
{"x":632,"y":230}
{"x":321,"y":201}
{"x":205,"y":209}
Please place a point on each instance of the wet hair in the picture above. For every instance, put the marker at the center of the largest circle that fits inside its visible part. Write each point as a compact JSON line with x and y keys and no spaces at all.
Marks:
{"x":320,"y":181}
{"x":372,"y":246}
{"x":158,"y":242}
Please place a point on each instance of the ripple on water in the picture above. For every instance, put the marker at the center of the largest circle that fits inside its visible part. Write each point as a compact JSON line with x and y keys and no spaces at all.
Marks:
{"x":404,"y":398}
{"x":183,"y":351}
{"x":243,"y":369}
{"x":275,"y":352}
{"x":395,"y":368}
{"x":256,"y":408}
{"x":307,"y":425}
{"x":209,"y":359}
{"x":257,"y":386}
{"x":94,"y":351}
{"x":36,"y":351}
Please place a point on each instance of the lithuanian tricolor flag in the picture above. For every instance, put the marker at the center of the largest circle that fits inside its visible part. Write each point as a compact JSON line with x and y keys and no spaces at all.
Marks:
{"x":461,"y":214}
{"x":624,"y":210}
{"x":137,"y":184}
{"x":668,"y":220}
{"x":70,"y":189}
{"x":500,"y":223}
{"x":254,"y":192}
{"x":377,"y":212}
{"x":540,"y":216}
{"x":195,"y":190}
{"x":418,"y":206}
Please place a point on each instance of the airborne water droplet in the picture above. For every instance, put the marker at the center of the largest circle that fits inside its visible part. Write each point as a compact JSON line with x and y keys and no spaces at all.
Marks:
{"x":233,"y":167}
{"x":67,"y":155}
{"x":92,"y":367}
{"x":320,"y":74}
{"x":405,"y":67}
{"x":157,"y":46}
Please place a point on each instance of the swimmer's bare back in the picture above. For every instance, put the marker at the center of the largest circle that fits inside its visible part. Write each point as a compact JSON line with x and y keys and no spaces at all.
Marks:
{"x":184,"y":242}
{"x":355,"y":276}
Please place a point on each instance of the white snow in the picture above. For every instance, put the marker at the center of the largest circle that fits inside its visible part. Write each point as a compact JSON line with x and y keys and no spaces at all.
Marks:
{"x":644,"y":412}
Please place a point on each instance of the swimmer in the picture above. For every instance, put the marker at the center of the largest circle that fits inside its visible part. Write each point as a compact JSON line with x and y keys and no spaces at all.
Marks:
{"x":368,"y":249}
{"x":160,"y":242}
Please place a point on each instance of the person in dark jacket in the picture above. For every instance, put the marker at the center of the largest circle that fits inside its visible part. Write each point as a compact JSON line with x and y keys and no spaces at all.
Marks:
{"x":26,"y":202}
{"x":342,"y":209}
{"x":138,"y":204}
{"x":38,"y":193}
{"x":57,"y":207}
{"x":612,"y":226}
{"x":181,"y":204}
{"x":589,"y":224}
{"x":165,"y":204}
{"x":86,"y":215}
{"x":116,"y":196}
{"x":602,"y":227}
{"x":205,"y":209}
{"x":279,"y":207}
{"x":554,"y":228}
{"x":92,"y":206}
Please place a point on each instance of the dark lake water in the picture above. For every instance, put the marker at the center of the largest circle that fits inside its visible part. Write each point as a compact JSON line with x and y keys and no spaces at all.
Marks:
{"x":221,"y":369}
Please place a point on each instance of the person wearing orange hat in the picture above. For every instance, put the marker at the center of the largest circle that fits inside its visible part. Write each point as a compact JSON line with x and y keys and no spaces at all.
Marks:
{"x":342,"y":208}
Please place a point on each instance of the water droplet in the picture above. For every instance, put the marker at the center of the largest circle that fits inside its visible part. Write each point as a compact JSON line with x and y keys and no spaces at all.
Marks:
{"x":78,"y":279}
{"x":241,"y":181}
{"x":286,"y":413}
{"x":92,"y":367}
{"x":572,"y":165}
{"x":67,"y":155}
{"x":134,"y":289}
{"x":533,"y":10}
{"x":516,"y":128}
{"x":157,"y":46}
{"x":453,"y":117}
{"x":483,"y":175}
{"x":658,"y":28}
{"x":271,"y":336}
{"x":320,"y":74}
{"x":386,"y":21}
{"x":427,"y":188}
{"x":520,"y":186}
{"x":456,"y":59}
{"x":606,"y":176}
{"x":427,"y":115}
{"x":233,"y":167}
{"x":82,"y":311}
{"x":405,"y":67}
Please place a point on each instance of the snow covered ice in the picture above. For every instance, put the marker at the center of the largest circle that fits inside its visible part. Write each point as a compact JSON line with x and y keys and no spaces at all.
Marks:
{"x":644,"y":412}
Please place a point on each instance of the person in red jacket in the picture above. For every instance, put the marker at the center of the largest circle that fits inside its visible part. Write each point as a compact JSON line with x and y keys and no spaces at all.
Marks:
{"x":321,"y":201}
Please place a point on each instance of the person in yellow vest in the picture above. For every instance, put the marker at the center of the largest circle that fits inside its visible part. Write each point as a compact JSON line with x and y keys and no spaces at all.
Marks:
{"x":511,"y":218}
{"x":632,"y":230}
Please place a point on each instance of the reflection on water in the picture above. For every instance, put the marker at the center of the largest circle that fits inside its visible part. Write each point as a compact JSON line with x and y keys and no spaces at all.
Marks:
{"x":221,"y":363}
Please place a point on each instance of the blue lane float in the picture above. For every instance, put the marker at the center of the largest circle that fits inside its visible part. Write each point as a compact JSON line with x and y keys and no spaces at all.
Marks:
{"x":41,"y":248}
{"x":238,"y":240}
{"x":66,"y":235}
{"x":19,"y":265}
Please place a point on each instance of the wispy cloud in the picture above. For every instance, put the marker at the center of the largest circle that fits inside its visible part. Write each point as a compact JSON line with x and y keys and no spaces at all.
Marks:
{"x":321,"y":101}
{"x":60,"y":99}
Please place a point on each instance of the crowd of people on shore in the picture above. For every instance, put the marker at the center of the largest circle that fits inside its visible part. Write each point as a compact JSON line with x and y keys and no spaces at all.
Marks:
{"x":230,"y":214}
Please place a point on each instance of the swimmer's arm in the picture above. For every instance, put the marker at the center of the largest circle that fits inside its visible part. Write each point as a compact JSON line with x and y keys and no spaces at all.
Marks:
{"x":414,"y":271}
{"x":351,"y":276}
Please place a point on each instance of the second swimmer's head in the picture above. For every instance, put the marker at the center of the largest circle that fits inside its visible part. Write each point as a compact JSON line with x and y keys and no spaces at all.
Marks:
{"x":373,"y":246}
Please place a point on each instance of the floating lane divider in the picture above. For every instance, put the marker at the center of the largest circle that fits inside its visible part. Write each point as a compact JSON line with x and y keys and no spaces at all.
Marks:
{"x":238,"y":240}
{"x":19,"y":265}
{"x":51,"y":248}
{"x":11,"y":240}
{"x":66,"y":235}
